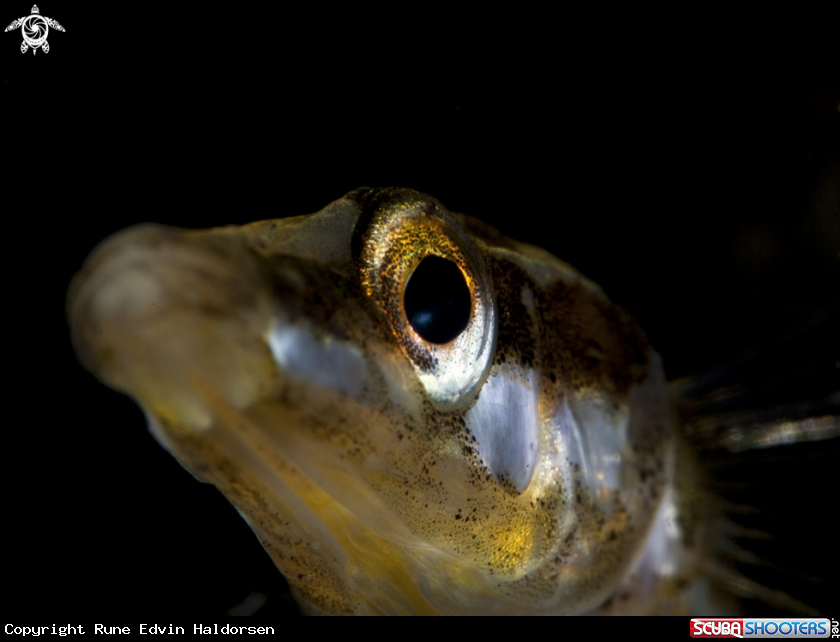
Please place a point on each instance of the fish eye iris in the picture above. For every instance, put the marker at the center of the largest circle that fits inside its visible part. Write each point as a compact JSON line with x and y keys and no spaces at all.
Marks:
{"x":437,"y":300}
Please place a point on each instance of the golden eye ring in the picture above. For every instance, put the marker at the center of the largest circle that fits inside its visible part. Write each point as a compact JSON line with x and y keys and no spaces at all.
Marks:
{"x":400,"y":235}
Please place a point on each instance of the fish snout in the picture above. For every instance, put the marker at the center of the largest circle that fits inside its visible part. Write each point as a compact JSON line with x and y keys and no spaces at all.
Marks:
{"x":154,"y":308}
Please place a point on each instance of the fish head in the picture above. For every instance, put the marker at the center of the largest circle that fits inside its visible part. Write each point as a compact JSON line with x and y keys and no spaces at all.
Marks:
{"x":414,"y":413}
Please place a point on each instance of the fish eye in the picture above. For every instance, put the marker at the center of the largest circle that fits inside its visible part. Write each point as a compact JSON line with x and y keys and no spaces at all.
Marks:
{"x":429,"y":282}
{"x":437,"y":300}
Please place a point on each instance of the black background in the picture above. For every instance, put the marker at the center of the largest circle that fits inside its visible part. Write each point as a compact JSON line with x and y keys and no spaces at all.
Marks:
{"x":693,"y":172}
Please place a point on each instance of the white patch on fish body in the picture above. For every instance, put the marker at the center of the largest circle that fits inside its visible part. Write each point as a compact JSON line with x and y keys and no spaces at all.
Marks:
{"x":328,"y":363}
{"x":528,"y":301}
{"x":504,"y":420}
{"x":594,"y":436}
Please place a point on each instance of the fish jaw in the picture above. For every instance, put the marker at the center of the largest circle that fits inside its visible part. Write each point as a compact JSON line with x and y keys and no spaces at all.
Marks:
{"x":268,"y":364}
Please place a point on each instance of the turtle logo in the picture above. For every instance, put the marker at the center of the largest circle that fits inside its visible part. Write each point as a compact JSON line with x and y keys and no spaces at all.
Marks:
{"x":35,"y":28}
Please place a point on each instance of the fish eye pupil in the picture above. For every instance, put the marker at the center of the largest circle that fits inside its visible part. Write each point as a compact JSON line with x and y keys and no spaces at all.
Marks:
{"x":437,"y":300}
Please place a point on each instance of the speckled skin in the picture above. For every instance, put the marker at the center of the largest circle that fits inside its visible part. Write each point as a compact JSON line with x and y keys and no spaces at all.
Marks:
{"x":519,"y":469}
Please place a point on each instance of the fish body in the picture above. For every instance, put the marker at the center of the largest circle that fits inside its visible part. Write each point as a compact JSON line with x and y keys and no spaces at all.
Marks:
{"x":414,"y":413}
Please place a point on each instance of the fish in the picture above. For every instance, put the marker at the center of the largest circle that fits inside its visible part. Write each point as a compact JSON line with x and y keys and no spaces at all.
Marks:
{"x":418,"y":415}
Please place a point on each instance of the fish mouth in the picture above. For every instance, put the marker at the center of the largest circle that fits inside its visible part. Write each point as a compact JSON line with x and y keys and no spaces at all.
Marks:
{"x":148,"y":303}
